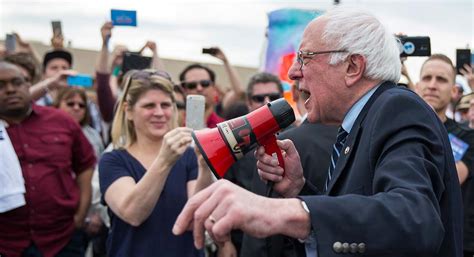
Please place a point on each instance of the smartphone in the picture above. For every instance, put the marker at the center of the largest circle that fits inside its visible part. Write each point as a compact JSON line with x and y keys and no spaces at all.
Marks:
{"x":415,"y":46}
{"x":57,"y":28}
{"x":211,"y":51}
{"x":134,"y":61}
{"x":81,"y":80}
{"x":10,"y":43}
{"x":195,"y":111}
{"x":463,"y":56}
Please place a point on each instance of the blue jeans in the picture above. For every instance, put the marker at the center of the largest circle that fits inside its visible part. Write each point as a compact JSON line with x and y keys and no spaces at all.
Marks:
{"x":75,"y":247}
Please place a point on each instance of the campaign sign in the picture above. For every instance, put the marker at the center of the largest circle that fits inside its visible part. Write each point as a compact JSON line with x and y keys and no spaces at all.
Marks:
{"x":123,"y":17}
{"x":459,"y":147}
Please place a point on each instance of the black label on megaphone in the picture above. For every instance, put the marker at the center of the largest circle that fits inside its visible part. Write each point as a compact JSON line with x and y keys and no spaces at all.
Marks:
{"x":239,"y":136}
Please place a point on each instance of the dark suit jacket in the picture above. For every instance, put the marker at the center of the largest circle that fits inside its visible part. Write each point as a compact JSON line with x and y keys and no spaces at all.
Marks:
{"x":395,"y":187}
{"x":314,"y":144}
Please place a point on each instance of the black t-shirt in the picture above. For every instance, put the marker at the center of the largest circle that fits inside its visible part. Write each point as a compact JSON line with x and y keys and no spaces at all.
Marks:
{"x":467,"y":135}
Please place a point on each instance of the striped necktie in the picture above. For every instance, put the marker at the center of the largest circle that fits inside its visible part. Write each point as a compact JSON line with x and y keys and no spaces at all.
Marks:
{"x":336,"y":152}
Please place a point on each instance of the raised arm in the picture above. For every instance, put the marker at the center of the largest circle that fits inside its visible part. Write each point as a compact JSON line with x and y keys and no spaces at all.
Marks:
{"x":134,"y":201}
{"x":105,"y":96}
{"x":237,"y":91}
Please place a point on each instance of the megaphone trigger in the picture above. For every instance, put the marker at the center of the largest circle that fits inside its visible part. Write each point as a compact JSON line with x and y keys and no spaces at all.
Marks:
{"x":272,"y":149}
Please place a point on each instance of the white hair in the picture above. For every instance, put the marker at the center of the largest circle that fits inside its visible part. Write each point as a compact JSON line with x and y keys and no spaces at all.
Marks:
{"x":359,"y":32}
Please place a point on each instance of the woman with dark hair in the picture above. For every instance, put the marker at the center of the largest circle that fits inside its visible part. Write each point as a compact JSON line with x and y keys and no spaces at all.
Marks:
{"x":73,"y":100}
{"x":151,"y":173}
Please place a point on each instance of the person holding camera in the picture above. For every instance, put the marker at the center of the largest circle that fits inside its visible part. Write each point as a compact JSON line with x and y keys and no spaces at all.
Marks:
{"x":148,"y":177}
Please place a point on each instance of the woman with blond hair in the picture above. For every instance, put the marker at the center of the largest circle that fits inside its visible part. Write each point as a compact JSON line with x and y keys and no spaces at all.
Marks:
{"x":151,"y":173}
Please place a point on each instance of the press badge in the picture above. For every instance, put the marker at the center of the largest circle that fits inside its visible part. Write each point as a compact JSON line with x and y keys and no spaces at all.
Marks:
{"x":459,"y":147}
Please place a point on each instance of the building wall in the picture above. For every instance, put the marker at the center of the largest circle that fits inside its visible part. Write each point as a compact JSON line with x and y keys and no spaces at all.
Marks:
{"x":84,"y":62}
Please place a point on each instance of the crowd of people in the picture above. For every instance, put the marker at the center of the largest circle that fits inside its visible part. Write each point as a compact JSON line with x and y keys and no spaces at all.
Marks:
{"x":373,"y":167}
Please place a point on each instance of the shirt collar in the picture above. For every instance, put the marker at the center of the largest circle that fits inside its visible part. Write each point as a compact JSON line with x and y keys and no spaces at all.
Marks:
{"x":355,"y":110}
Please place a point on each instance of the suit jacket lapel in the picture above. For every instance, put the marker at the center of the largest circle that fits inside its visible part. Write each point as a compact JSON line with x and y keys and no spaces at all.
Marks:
{"x":352,"y":139}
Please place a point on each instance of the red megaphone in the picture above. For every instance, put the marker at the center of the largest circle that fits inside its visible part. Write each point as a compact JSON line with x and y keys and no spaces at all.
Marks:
{"x":231,"y":140}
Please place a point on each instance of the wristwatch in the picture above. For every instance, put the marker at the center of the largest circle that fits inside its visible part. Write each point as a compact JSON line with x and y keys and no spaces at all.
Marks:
{"x":305,"y":207}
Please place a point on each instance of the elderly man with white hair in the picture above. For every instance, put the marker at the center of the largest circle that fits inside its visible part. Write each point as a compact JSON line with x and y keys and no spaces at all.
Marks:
{"x":392,"y":187}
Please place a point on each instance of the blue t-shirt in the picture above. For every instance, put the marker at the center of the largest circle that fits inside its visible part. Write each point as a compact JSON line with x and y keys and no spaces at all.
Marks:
{"x":153,"y":237}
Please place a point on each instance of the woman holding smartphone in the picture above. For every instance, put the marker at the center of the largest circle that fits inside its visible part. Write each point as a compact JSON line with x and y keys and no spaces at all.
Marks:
{"x":151,"y":173}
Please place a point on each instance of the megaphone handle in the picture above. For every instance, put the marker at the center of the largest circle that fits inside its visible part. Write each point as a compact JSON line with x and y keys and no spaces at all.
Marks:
{"x":271,"y":148}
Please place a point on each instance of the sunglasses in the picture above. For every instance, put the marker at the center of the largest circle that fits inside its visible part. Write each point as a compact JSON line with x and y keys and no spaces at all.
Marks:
{"x":180,"y":105}
{"x":192,"y":85}
{"x":148,"y":73}
{"x":72,"y":104}
{"x":261,"y":98}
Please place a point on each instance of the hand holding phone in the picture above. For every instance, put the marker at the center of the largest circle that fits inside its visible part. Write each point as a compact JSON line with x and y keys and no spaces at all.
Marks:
{"x":134,"y":61}
{"x":211,"y":50}
{"x":57,"y":28}
{"x":463,"y":57}
{"x":195,"y":106}
{"x":415,"y":46}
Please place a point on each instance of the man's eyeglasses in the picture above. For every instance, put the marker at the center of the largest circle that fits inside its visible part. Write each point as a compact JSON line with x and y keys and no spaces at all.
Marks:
{"x":302,"y":55}
{"x":72,"y":104}
{"x":193,"y":84}
{"x":260,"y":98}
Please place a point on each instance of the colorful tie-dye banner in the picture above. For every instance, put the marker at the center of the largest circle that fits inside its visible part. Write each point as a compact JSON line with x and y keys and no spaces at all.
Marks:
{"x":284,"y":33}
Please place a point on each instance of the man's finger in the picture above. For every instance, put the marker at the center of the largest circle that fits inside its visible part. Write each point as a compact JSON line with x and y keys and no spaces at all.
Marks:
{"x":203,"y":218}
{"x":222,"y":228}
{"x":269,"y":177}
{"x":287,"y":146}
{"x":187,"y":214}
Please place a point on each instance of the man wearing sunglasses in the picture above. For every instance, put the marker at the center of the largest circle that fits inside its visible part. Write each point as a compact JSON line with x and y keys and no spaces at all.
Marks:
{"x":263,"y":88}
{"x":197,"y":79}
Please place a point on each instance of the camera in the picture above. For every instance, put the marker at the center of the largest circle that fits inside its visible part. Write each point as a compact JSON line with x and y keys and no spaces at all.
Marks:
{"x":211,"y":51}
{"x":463,"y":56}
{"x":135,"y":61}
{"x":414,"y":46}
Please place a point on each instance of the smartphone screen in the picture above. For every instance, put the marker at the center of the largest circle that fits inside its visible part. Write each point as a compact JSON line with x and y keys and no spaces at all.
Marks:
{"x":195,"y":111}
{"x":10,"y":43}
{"x":415,"y":46}
{"x":463,"y":56}
{"x":81,"y":80}
{"x":211,"y":51}
{"x":57,"y":29}
{"x":134,"y":61}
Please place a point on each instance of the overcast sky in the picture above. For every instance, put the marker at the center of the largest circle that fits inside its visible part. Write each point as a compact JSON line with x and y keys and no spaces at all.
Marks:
{"x":182,"y":27}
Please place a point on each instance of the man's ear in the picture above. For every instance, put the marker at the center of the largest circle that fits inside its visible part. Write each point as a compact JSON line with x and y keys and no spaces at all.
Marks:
{"x":417,"y":88}
{"x":454,"y":91}
{"x":355,"y":69}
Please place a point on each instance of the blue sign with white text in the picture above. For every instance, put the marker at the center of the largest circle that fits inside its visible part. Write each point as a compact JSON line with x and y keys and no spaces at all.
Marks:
{"x":459,"y":147}
{"x":123,"y":18}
